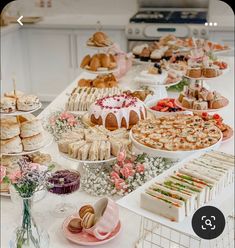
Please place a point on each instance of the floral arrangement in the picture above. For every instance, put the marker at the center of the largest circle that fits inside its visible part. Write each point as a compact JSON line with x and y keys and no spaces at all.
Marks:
{"x":60,"y":122}
{"x":30,"y":178}
{"x":127,"y":174}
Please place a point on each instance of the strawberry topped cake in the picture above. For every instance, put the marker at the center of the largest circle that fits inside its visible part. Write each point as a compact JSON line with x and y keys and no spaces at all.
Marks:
{"x":117,"y":111}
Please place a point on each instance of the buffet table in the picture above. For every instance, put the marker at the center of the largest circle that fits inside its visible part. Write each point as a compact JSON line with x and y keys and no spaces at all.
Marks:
{"x":130,"y":221}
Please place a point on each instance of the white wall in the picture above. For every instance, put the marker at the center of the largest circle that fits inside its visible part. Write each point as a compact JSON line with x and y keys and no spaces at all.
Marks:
{"x":221,"y":13}
{"x":30,"y":7}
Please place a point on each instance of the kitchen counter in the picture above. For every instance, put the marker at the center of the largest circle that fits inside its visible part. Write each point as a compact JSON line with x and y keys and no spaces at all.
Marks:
{"x":130,"y":221}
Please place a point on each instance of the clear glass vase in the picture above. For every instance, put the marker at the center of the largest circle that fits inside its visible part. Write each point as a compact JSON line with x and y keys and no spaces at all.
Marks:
{"x":29,"y":234}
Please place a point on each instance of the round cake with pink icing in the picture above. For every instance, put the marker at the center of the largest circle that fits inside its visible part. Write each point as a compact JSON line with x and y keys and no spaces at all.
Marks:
{"x":117,"y":111}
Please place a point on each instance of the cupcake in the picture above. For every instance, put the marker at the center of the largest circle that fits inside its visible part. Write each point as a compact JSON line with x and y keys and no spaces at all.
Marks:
{"x":210,"y":72}
{"x":194,"y":72}
{"x":145,"y":54}
{"x":138,"y":49}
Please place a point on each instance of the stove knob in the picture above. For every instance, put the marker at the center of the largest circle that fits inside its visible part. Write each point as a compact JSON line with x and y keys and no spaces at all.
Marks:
{"x":203,"y":32}
{"x":129,"y":31}
{"x":195,"y":32}
{"x":137,"y":31}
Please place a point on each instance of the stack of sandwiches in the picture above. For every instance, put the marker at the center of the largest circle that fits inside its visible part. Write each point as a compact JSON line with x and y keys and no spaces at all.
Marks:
{"x":94,"y":143}
{"x":196,"y":183}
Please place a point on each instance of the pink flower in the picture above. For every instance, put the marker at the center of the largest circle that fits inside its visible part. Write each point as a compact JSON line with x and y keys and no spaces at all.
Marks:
{"x":140,"y":168}
{"x":14,"y":176}
{"x":2,"y":173}
{"x":114,"y":175}
{"x":119,"y":184}
{"x":52,"y":120}
{"x":116,"y":168}
{"x":34,"y":166}
{"x":65,"y":115}
{"x":127,"y":170}
{"x":121,"y":156}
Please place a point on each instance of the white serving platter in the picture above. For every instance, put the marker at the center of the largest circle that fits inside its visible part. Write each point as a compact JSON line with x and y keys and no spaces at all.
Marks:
{"x":132,"y":202}
{"x":171,"y":154}
{"x":18,"y":112}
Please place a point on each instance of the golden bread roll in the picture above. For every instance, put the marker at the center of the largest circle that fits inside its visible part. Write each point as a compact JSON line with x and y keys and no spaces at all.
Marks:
{"x":85,"y":61}
{"x":105,"y":60}
{"x":95,"y":63}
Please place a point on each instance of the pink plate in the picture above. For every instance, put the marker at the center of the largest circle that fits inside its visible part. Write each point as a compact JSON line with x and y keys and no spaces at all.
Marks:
{"x":84,"y":238}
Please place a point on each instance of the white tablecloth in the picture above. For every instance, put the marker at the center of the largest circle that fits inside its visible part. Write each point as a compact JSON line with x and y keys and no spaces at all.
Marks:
{"x":10,"y":213}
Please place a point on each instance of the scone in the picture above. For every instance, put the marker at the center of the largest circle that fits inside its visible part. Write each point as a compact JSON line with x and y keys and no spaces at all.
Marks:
{"x":7,"y":105}
{"x":33,"y":143}
{"x":13,"y":95}
{"x":30,"y":128}
{"x":13,"y":145}
{"x":27,"y":102}
{"x":9,"y":128}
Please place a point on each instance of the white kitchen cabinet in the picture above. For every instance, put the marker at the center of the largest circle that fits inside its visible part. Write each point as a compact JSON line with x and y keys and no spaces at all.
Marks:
{"x":12,"y":62}
{"x":54,"y":57}
{"x":50,"y":60}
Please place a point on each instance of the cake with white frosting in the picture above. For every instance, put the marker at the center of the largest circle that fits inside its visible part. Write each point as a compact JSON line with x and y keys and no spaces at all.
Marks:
{"x":117,"y":111}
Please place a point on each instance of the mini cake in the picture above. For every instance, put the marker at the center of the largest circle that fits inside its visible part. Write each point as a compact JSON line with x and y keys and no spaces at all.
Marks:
{"x":194,"y":72}
{"x":138,"y":49}
{"x":7,"y":105}
{"x":27,"y":102}
{"x":187,"y":102}
{"x":200,"y":105}
{"x":209,"y":72}
{"x":30,"y":128}
{"x":117,"y":111}
{"x":12,"y":145}
{"x":9,"y":128}
{"x":33,"y":142}
{"x":156,"y":55}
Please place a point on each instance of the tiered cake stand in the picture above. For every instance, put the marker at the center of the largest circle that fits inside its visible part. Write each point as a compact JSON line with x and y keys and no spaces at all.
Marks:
{"x":47,"y":141}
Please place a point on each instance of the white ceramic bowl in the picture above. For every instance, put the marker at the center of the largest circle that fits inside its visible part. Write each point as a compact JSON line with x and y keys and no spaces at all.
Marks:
{"x":175,"y":155}
{"x":153,"y":102}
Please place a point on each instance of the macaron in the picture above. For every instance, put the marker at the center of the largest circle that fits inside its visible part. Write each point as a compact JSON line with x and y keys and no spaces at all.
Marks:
{"x":86,"y":209}
{"x":75,"y":225}
{"x":88,"y":220}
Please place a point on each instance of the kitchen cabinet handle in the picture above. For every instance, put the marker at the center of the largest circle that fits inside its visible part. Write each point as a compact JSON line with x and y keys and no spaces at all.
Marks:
{"x":70,"y":52}
{"x":76,"y":51}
